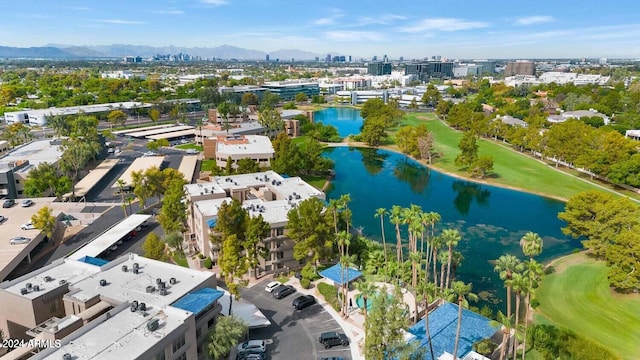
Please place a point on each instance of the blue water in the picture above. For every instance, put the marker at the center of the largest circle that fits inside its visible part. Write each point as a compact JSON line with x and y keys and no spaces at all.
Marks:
{"x":346,"y":120}
{"x":491,"y":220}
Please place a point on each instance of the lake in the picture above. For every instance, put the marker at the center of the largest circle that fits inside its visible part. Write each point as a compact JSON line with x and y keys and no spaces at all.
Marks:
{"x":491,"y":220}
{"x":346,"y":120}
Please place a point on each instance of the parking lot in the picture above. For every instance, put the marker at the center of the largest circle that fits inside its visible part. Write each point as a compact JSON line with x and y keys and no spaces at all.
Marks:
{"x":294,"y":333}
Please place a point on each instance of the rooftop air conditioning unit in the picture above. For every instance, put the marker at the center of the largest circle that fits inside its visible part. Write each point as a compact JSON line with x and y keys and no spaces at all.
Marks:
{"x":172,"y":281}
{"x":163,"y":292}
{"x":153,"y":325}
{"x":62,"y":282}
{"x":162,"y":285}
{"x":136,"y":270}
{"x":103,"y":282}
{"x":150,"y":289}
{"x":125,"y":268}
{"x":142,"y":307}
{"x":28,"y":286}
{"x":136,"y":266}
{"x":24,"y":291}
{"x":67,"y":356}
{"x":134,"y":308}
{"x":47,"y":278}
{"x":36,"y":287}
{"x":158,"y":281}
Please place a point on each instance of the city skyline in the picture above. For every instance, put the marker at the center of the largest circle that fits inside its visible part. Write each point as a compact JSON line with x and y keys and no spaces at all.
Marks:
{"x":543,"y":29}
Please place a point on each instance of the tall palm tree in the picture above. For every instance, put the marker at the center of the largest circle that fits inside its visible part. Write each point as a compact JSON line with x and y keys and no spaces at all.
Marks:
{"x":381,"y":212}
{"x":436,"y":244}
{"x":443,"y":257}
{"x":395,"y":218}
{"x":426,"y":292}
{"x":367,"y":289}
{"x":506,"y":266}
{"x":506,"y":323}
{"x":451,"y":238}
{"x":462,"y":293}
{"x":343,"y":239}
{"x":533,"y":273}
{"x":531,"y":244}
{"x":519,"y":284}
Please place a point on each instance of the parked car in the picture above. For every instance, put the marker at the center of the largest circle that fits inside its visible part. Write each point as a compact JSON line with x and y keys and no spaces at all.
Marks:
{"x":8,"y":203}
{"x":283,"y":291}
{"x":302,"y":302}
{"x":183,"y":141}
{"x":28,"y":226}
{"x":332,"y":338}
{"x":26,"y":203}
{"x":192,"y":151}
{"x":252,"y":346}
{"x":149,"y":153}
{"x":19,"y":240}
{"x":271,"y":286}
{"x":331,"y":358}
{"x":2,"y":219}
{"x":251,"y":356}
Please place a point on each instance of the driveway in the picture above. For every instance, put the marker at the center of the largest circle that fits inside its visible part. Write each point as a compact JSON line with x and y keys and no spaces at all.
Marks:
{"x":294,"y":332}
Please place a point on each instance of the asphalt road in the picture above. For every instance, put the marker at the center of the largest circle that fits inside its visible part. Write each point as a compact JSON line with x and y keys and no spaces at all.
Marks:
{"x":294,"y":332}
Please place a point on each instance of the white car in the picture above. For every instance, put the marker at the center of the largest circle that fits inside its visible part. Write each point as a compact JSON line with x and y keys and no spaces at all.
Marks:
{"x":272,"y":285}
{"x":26,"y":203}
{"x":28,"y":226}
{"x":19,"y":240}
{"x":149,"y":153}
{"x":252,"y":345}
{"x":192,"y":151}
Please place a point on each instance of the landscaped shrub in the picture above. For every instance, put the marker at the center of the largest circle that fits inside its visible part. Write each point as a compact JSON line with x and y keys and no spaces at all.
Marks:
{"x":485,"y":347}
{"x":330,"y":294}
{"x":309,"y":273}
{"x":208,"y":263}
{"x":305,"y":283}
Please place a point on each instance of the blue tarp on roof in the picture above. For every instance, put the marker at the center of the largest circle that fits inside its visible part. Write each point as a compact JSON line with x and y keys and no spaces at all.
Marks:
{"x":443,"y":323}
{"x":93,"y":261}
{"x":212,"y":222}
{"x":333,"y":274}
{"x":198,"y":300}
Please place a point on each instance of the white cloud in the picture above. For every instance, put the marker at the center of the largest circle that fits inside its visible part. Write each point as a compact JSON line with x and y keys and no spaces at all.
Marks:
{"x":379,"y":20}
{"x":323,"y":21}
{"x":168,"y":12}
{"x":119,"y":21}
{"x":530,"y":20}
{"x":344,"y":35}
{"x":84,"y":8}
{"x":444,"y":24}
{"x":214,"y":2}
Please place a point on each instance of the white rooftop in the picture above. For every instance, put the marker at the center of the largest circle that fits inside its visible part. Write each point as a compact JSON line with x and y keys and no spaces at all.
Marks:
{"x":203,"y":189}
{"x":71,"y":110}
{"x":139,"y":164}
{"x":35,"y":152}
{"x":256,"y":144}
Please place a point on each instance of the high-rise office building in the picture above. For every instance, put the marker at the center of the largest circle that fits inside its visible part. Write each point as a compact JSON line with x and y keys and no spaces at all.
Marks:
{"x":520,"y":68}
{"x":379,"y":68}
{"x":266,"y":57}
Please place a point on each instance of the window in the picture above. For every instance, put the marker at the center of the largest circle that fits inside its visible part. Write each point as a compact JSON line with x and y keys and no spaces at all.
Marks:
{"x":159,"y":356}
{"x":211,"y":323}
{"x":17,"y":181}
{"x":280,"y":254}
{"x":178,"y":343}
{"x":280,"y":231}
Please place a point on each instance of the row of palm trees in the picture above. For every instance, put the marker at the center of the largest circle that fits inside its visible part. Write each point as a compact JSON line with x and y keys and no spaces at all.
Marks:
{"x":520,"y":279}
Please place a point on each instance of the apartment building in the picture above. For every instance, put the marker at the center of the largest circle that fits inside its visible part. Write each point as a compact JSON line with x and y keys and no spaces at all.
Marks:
{"x":237,"y":147}
{"x":128,"y":308}
{"x":267,"y":194}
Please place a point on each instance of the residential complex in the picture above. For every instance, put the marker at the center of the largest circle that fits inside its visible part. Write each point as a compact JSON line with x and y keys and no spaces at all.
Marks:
{"x":268,"y":194}
{"x":128,"y":308}
{"x":237,"y":147}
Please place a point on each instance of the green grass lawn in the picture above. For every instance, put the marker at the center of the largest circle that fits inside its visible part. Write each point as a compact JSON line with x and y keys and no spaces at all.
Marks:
{"x":189,"y":146}
{"x":577,"y":297}
{"x":315,"y":181}
{"x":511,"y":168}
{"x":208,"y":165}
{"x":180,"y":259}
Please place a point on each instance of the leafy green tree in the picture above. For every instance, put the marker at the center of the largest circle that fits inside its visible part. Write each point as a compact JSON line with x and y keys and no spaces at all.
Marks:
{"x":17,"y":134}
{"x":367,"y":290}
{"x":407,"y":139}
{"x":233,"y":266}
{"x":482,"y":167}
{"x":247,"y":166}
{"x":174,"y":240}
{"x":173,"y":213}
{"x":309,"y":227}
{"x":44,"y":221}
{"x":623,"y":261}
{"x":626,"y":172}
{"x":232,"y":220}
{"x":257,"y":230}
{"x":426,"y":147}
{"x":117,"y":117}
{"x":154,"y":115}
{"x":385,"y":326}
{"x":46,"y":179}
{"x":317,"y":99}
{"x":374,"y":130}
{"x":249,"y":99}
{"x":228,"y":332}
{"x":468,"y":146}
{"x":288,"y":157}
{"x":271,"y":119}
{"x":152,"y":145}
{"x":153,"y":247}
{"x":431,"y":97}
{"x":301,"y":97}
{"x":75,"y":157}
{"x":269,"y":101}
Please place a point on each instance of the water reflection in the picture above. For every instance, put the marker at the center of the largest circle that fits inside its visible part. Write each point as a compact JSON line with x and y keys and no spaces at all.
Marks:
{"x":466,"y":193}
{"x":411,"y":172}
{"x":372,"y":159}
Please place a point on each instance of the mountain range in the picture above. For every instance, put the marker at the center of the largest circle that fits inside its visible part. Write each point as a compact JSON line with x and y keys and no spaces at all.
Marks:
{"x":61,"y":51}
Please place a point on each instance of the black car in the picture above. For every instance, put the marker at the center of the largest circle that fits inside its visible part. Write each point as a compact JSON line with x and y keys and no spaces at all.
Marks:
{"x":332,"y":338}
{"x":302,"y":302}
{"x":283,"y":291}
{"x":8,"y":203}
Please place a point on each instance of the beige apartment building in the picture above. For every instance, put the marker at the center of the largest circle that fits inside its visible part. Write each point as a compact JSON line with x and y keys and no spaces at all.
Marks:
{"x":128,"y":308}
{"x":267,"y":194}
{"x":237,"y":147}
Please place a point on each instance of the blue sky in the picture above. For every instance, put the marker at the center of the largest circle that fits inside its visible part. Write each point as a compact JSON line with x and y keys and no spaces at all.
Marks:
{"x":409,"y":28}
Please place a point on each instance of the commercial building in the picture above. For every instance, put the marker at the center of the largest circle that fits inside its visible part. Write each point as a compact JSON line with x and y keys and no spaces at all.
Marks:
{"x":128,"y":308}
{"x":361,"y":96}
{"x":520,"y":67}
{"x":255,"y":147}
{"x":15,"y":166}
{"x":39,"y":117}
{"x":379,"y":68}
{"x":287,"y":90}
{"x":431,"y":69}
{"x":267,"y":194}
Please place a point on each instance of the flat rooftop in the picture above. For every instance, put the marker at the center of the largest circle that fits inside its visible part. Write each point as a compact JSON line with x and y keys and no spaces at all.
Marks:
{"x":142,"y":163}
{"x":203,"y":189}
{"x":132,"y":130}
{"x":93,"y":177}
{"x":173,"y":134}
{"x":188,"y":167}
{"x":252,"y":144}
{"x":35,"y":152}
{"x":147,"y":133}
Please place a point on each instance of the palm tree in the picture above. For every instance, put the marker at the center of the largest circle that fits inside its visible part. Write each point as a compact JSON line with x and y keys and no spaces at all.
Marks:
{"x":451,"y":238}
{"x":436,"y":243}
{"x":366,"y":289}
{"x":381,"y":212}
{"x":443,"y":257}
{"x":519,"y":284}
{"x":531,"y":244}
{"x":343,"y":239}
{"x":395,"y":218}
{"x":121,"y":185}
{"x":505,"y":321}
{"x":462,"y":293}
{"x":506,"y":265}
{"x":426,"y":292}
{"x":533,"y":273}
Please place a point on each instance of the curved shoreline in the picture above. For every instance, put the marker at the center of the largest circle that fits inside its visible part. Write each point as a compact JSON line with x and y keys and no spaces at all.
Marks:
{"x":435,"y":168}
